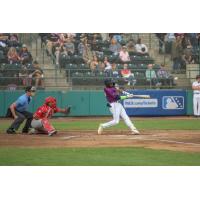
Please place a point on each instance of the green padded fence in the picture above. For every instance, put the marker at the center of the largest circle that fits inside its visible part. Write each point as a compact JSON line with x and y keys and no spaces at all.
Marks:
{"x":83,"y":103}
{"x":189,"y":102}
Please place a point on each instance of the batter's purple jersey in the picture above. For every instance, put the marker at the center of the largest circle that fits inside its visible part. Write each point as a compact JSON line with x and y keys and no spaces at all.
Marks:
{"x":111,"y":94}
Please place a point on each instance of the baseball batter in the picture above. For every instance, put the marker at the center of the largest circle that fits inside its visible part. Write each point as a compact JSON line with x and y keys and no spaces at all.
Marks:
{"x":196,"y":96}
{"x":116,"y":108}
{"x":40,"y":122}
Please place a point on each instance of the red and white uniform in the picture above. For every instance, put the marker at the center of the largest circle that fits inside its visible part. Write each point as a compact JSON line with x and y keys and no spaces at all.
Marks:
{"x":41,"y":117}
{"x":45,"y":111}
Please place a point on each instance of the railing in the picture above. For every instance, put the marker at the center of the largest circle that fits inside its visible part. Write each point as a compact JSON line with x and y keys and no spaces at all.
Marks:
{"x":86,"y":79}
{"x":192,"y":73}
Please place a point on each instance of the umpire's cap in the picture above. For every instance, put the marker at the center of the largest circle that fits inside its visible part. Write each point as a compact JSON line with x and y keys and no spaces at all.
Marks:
{"x":198,"y":76}
{"x":30,"y":89}
{"x":109,"y":82}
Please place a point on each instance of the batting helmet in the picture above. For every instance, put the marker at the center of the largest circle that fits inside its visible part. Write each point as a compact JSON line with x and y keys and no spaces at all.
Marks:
{"x":109,"y":82}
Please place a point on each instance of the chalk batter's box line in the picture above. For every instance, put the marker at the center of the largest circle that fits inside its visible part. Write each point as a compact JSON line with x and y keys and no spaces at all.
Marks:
{"x":161,"y":140}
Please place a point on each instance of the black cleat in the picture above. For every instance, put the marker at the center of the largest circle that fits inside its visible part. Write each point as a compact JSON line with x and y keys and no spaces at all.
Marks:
{"x":11,"y":131}
{"x":52,"y":133}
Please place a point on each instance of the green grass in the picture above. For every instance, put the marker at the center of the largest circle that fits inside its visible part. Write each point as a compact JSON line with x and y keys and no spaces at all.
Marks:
{"x":96,"y":157}
{"x":144,"y":124}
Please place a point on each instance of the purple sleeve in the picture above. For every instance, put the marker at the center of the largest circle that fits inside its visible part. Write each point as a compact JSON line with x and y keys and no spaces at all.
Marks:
{"x":111,"y":94}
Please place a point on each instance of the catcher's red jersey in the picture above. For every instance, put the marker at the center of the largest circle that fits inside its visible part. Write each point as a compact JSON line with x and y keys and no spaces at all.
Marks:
{"x":45,"y":111}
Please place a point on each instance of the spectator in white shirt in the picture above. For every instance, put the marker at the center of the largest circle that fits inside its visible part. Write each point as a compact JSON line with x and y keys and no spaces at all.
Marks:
{"x":141,"y":48}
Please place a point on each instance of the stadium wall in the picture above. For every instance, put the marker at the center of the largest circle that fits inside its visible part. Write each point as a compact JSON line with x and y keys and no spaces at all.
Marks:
{"x":93,"y":103}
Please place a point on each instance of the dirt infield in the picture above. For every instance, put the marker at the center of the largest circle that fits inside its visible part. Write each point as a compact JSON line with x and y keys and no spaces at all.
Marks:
{"x":177,"y":140}
{"x":169,"y":140}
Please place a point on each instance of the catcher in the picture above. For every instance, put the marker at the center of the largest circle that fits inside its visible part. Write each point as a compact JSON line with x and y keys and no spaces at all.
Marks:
{"x":40,"y":122}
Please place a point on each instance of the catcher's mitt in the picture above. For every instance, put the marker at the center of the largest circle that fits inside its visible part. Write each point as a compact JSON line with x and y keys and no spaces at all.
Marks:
{"x":67,"y":110}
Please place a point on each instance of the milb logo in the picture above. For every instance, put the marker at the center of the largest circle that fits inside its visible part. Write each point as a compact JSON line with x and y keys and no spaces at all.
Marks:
{"x":173,"y":102}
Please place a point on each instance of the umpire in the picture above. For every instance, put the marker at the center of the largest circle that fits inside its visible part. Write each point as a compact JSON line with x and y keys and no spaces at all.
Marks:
{"x":18,"y":110}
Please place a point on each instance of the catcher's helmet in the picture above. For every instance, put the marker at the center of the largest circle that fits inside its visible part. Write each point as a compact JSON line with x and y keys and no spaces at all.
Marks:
{"x":50,"y":100}
{"x":109,"y":83}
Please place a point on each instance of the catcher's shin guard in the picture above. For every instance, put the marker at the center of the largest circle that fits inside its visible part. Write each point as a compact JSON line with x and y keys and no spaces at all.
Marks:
{"x":47,"y":126}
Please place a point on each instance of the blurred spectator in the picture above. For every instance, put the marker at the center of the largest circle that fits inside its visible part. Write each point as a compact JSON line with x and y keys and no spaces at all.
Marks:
{"x":161,"y":37}
{"x":165,"y":77}
{"x":177,"y":52}
{"x":198,"y":39}
{"x":115,"y":47}
{"x":37,"y":75}
{"x":3,"y":39}
{"x":193,"y":40}
{"x":130,"y":46}
{"x":124,"y":55}
{"x":64,"y":51}
{"x":105,"y":36}
{"x":170,"y":38}
{"x":94,"y":65}
{"x":69,"y":45}
{"x":108,"y":68}
{"x":25,"y":55}
{"x":117,"y":37}
{"x":178,"y":34}
{"x":13,"y":40}
{"x":62,"y":39}
{"x":141,"y":48}
{"x":128,"y":75}
{"x":57,"y":55}
{"x":52,"y":40}
{"x":115,"y":73}
{"x":187,"y":57}
{"x":87,"y":54}
{"x":96,"y":45}
{"x":24,"y":76}
{"x":13,"y":56}
{"x":185,"y":41}
{"x":151,"y":76}
{"x":71,"y":36}
{"x":82,"y":45}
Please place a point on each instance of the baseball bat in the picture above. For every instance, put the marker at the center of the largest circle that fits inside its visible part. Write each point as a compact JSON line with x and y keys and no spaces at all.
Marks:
{"x":135,"y":95}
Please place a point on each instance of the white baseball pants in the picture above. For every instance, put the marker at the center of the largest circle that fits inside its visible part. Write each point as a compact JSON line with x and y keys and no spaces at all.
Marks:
{"x":118,"y":111}
{"x":196,"y":104}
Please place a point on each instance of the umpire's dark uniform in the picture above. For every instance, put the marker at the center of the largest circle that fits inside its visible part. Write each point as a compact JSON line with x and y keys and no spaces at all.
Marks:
{"x":20,"y":108}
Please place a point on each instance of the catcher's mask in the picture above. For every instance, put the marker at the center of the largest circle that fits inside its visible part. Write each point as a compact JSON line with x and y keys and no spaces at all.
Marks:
{"x":51,"y":101}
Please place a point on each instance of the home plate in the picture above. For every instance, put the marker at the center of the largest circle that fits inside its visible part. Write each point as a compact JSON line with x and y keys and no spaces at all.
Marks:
{"x":69,"y":137}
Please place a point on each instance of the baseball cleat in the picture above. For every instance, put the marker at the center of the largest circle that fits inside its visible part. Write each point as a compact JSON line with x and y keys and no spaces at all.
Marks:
{"x":11,"y":131}
{"x":32,"y":131}
{"x":100,"y":130}
{"x":135,"y":132}
{"x":52,"y":133}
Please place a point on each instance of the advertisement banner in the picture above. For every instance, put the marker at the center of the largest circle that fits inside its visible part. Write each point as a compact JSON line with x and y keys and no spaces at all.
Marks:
{"x":160,"y":103}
